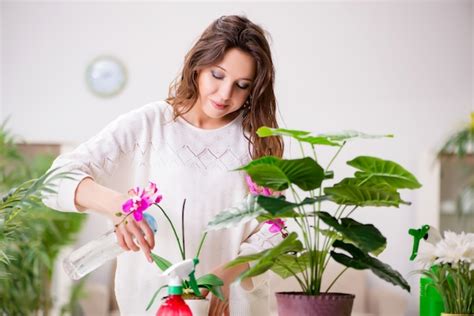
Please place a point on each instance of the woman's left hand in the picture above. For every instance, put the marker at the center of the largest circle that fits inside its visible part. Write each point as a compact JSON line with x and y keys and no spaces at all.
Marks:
{"x":228,"y":275}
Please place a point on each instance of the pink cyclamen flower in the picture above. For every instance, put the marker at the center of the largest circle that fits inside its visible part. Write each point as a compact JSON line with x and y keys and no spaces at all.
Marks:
{"x":276,"y":225}
{"x":140,"y":200}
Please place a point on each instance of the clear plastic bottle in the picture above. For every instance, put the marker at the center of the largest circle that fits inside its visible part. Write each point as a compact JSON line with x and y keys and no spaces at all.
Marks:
{"x":96,"y":252}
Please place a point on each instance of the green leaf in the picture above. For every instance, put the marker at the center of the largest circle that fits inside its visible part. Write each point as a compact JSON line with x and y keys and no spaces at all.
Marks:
{"x":161,"y":262}
{"x":245,"y":210}
{"x":289,"y":265}
{"x":347,"y":192}
{"x":278,"y":174}
{"x":154,"y":296}
{"x":247,"y":258}
{"x":217,"y":291}
{"x":302,"y":136}
{"x":265,"y":131}
{"x":278,"y":205}
{"x":385,"y":171}
{"x":361,"y":261}
{"x":210,"y":279}
{"x":365,"y":236}
{"x":347,"y":135}
{"x":269,"y":256}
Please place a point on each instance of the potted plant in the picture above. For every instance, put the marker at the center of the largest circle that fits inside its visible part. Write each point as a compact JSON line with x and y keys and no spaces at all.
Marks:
{"x":322,"y":234}
{"x":31,"y":235}
{"x":449,"y":265}
{"x":142,"y":199}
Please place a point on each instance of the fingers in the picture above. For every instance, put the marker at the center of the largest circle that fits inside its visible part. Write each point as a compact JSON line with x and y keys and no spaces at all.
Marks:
{"x":218,"y":308}
{"x":149,"y":234}
{"x":131,"y":232}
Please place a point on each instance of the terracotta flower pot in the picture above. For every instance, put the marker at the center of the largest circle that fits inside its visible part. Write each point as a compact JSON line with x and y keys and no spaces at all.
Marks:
{"x":199,"y":307}
{"x":325,"y":304}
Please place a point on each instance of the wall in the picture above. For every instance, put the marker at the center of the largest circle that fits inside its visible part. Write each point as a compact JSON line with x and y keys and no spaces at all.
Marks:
{"x":401,"y":67}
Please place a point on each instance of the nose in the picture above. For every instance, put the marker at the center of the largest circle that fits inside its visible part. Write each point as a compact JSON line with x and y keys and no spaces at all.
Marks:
{"x":225,"y":91}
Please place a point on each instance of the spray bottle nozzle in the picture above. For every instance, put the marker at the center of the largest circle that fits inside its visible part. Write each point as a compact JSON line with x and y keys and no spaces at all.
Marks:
{"x":428,"y":233}
{"x":179,"y":271}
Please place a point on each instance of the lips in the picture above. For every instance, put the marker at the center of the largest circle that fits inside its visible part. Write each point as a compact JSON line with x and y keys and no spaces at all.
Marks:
{"x":218,"y":106}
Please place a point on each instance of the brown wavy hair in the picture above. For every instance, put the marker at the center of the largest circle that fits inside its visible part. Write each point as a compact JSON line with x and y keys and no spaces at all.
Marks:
{"x":260,"y":108}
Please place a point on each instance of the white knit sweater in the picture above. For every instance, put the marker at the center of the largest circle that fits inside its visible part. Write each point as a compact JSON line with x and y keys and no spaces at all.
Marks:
{"x":185,"y":162}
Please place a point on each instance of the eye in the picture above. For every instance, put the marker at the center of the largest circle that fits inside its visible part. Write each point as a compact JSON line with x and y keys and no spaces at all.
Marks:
{"x":243,"y":86}
{"x":217,"y":75}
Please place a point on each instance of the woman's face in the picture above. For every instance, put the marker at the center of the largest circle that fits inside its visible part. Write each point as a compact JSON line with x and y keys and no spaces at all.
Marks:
{"x":224,"y":87}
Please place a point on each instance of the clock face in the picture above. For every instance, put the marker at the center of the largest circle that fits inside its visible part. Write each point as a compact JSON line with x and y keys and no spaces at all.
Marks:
{"x":106,"y":76}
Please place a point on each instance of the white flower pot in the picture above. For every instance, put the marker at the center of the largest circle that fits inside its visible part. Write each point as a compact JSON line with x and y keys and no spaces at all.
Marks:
{"x":199,"y":307}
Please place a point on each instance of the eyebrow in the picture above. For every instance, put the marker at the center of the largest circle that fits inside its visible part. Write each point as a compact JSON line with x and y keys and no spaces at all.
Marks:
{"x":226,"y":71}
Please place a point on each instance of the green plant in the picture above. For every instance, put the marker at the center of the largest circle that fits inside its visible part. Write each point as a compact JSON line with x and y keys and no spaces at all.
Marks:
{"x":210,"y":281}
{"x":140,"y":200}
{"x":31,"y":235}
{"x":323,"y":235}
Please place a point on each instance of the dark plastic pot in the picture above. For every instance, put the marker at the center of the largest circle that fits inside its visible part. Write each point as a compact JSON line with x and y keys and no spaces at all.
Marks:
{"x":324,"y":304}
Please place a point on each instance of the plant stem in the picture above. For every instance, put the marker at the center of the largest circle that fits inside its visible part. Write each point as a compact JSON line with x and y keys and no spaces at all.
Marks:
{"x":174,"y":230}
{"x":350,"y":212}
{"x":182,"y":229}
{"x":301,"y":225}
{"x":200,"y":244}
{"x":334,"y":157}
{"x":336,"y":278}
{"x":302,"y":284}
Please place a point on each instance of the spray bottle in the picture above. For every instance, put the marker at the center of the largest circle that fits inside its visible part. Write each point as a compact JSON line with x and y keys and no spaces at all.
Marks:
{"x":431,"y":303}
{"x":174,"y":305}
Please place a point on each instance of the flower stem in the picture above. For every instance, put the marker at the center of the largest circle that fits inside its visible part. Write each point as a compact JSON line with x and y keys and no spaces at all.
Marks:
{"x":174,"y":230}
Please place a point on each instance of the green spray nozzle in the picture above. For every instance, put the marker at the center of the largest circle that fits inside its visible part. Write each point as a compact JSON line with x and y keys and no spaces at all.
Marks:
{"x":179,"y":271}
{"x":426,"y":232}
{"x":418,"y":235}
{"x":192,"y":279}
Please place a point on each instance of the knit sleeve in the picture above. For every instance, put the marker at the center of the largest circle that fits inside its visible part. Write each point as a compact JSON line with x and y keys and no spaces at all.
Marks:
{"x":260,"y":239}
{"x":96,"y":158}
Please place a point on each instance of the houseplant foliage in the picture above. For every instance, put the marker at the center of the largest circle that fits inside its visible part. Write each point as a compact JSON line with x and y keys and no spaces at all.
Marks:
{"x":140,"y":200}
{"x":31,"y":235}
{"x":323,"y":234}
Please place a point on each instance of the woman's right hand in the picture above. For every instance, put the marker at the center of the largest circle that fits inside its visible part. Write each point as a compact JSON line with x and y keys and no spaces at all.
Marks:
{"x":134,"y":235}
{"x":93,"y":196}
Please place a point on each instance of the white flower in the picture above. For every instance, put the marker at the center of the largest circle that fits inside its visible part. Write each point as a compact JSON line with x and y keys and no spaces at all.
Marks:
{"x":427,"y":255}
{"x":454,"y":248}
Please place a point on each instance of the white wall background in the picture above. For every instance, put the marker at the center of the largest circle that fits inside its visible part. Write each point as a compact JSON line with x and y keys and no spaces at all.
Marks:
{"x":401,"y":67}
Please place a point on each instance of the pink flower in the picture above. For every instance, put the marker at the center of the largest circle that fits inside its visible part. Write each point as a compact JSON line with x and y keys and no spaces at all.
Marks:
{"x":140,"y":200}
{"x":276,"y":225}
{"x":256,"y":189}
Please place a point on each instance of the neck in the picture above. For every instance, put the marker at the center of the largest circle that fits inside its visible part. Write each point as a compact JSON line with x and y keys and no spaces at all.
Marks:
{"x":198,"y":118}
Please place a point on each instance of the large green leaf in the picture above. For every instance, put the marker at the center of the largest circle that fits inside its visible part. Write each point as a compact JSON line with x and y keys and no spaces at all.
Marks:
{"x":302,"y":136}
{"x":245,"y":210}
{"x":278,"y":205}
{"x":266,"y":259}
{"x":385,"y":171}
{"x":361,"y":261}
{"x":365,"y":236}
{"x":161,"y":262}
{"x":348,"y":192}
{"x":210,"y":279}
{"x":318,"y":139}
{"x":278,"y":174}
{"x":265,"y":131}
{"x":347,"y":135}
{"x":287,"y":265}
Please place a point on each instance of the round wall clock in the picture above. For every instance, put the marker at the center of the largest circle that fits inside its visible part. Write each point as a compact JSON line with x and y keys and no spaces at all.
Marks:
{"x":106,"y":76}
